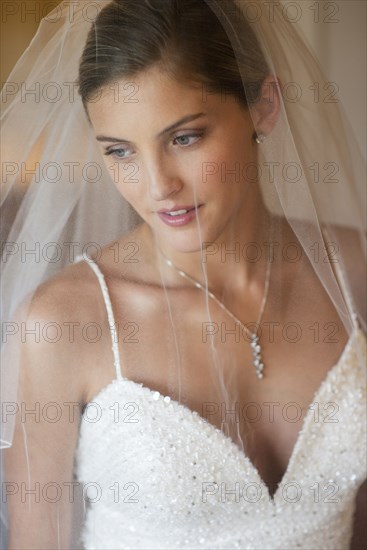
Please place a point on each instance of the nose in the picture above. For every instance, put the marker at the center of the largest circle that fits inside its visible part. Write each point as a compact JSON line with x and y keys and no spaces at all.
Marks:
{"x":163,"y":180}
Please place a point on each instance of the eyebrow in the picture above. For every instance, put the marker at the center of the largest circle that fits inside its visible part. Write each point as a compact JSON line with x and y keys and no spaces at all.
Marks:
{"x":184,"y":120}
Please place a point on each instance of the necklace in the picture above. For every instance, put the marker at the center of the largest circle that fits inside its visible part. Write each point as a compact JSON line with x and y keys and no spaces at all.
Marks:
{"x":253,"y":336}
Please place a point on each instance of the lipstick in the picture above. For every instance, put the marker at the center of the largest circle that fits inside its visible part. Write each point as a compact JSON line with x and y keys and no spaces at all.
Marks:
{"x":179,"y":216}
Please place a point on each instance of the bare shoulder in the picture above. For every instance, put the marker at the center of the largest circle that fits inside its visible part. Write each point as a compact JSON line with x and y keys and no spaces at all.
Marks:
{"x":359,"y":527}
{"x":350,"y":255}
{"x":65,"y":324}
{"x":63,"y":335}
{"x":47,"y":335}
{"x":348,"y":238}
{"x":68,"y":292}
{"x":75,"y":290}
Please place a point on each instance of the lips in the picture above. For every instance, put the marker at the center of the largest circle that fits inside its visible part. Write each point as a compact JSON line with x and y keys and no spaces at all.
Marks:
{"x":179,"y":215}
{"x":178,"y":209}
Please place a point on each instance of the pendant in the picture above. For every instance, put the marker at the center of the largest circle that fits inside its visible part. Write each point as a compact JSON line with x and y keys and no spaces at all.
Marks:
{"x":256,"y":350}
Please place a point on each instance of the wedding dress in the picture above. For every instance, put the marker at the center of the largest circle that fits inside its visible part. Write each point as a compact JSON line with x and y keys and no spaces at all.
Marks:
{"x":159,"y":476}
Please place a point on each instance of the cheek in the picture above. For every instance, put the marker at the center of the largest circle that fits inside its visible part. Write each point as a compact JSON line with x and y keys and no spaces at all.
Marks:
{"x":225,"y":167}
{"x":126,"y":177}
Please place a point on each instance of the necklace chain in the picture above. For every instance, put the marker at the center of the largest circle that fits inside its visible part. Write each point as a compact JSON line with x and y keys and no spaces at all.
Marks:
{"x":254,"y":338}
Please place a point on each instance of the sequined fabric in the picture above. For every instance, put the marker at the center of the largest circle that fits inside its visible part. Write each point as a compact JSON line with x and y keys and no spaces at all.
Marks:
{"x":156,"y":475}
{"x":160,"y":476}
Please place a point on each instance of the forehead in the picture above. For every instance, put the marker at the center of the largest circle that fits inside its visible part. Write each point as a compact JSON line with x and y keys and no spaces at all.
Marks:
{"x":152,"y":97}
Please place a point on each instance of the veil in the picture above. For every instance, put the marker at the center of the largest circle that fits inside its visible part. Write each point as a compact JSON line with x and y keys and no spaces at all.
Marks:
{"x":60,"y":204}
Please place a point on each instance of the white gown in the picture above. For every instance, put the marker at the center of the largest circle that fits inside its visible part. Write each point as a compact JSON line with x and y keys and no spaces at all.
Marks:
{"x":162,"y":477}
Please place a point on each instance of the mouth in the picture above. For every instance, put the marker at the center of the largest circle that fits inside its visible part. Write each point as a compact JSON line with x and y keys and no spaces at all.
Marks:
{"x":179,"y":216}
{"x":179,"y":211}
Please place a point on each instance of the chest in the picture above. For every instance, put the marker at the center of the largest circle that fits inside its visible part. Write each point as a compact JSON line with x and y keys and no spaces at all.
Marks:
{"x":193,"y":352}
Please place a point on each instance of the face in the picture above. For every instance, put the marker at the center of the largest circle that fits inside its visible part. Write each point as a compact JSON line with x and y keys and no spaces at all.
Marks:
{"x":171,"y":148}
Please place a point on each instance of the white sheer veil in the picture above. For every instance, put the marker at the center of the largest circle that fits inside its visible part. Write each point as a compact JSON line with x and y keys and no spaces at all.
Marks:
{"x":58,"y":199}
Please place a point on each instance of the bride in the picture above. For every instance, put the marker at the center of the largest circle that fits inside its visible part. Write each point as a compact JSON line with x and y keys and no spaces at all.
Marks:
{"x":194,"y":378}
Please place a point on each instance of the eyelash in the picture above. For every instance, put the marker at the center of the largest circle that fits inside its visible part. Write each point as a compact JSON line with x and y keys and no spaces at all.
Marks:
{"x":113,"y":152}
{"x":197,"y":134}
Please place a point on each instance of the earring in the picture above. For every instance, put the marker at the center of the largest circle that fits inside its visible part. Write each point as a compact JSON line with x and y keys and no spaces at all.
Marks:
{"x":260,"y":138}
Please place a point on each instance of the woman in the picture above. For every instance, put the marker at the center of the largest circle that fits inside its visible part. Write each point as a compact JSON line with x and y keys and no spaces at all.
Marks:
{"x":197,"y":381}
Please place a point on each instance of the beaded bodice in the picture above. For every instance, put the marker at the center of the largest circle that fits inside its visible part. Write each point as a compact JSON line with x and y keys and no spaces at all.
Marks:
{"x":157,"y":475}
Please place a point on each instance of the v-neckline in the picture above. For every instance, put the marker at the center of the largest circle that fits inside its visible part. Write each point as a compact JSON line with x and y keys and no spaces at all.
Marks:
{"x":192,"y":414}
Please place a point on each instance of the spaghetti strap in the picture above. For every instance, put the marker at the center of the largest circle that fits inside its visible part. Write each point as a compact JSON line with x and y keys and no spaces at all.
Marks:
{"x":110,"y":316}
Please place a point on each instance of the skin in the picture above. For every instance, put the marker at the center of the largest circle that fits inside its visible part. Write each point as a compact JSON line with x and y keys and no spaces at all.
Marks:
{"x":168,"y":170}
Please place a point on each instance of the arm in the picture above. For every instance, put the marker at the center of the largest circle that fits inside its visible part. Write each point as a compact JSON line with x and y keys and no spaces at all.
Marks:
{"x":38,"y":468}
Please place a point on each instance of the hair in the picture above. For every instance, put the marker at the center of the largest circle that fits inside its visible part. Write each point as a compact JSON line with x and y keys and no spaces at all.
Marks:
{"x":184,"y":37}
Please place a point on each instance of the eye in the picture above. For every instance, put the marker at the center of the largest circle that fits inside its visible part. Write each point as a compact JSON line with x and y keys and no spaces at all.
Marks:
{"x":187,"y":139}
{"x":119,"y":153}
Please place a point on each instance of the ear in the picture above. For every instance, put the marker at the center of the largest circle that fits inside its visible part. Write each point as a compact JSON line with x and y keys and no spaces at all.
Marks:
{"x":265,"y":111}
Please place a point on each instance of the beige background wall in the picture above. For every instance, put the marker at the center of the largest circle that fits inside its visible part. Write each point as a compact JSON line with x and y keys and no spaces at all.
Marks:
{"x":336,"y":30}
{"x":19,"y":22}
{"x":339,"y":41}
